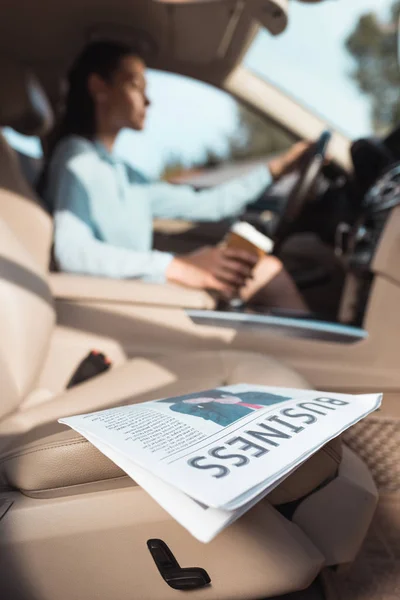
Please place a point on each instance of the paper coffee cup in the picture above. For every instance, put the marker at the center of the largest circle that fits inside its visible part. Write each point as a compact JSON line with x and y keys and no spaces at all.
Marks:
{"x":244,"y":236}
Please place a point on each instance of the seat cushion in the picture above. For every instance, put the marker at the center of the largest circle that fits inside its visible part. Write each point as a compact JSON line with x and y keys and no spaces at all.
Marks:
{"x":51,"y":459}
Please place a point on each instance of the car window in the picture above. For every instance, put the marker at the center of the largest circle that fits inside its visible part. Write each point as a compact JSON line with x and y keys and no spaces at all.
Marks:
{"x":337,"y":58}
{"x":27,"y":145}
{"x":194,"y":126}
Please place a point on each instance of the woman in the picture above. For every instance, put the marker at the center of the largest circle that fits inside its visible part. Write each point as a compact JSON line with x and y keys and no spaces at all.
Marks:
{"x":103,"y":208}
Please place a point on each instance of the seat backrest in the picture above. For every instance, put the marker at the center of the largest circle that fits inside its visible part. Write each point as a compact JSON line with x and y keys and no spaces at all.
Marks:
{"x":26,"y":306}
{"x":26,"y":321}
{"x":31,"y":167}
{"x":21,"y":209}
{"x":24,"y":107}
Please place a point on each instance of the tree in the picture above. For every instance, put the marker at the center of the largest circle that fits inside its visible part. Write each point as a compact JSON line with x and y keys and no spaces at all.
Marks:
{"x":373,"y":46}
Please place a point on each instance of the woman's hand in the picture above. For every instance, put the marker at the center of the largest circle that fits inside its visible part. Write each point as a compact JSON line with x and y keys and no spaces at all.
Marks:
{"x":222,"y":269}
{"x":289,"y":160}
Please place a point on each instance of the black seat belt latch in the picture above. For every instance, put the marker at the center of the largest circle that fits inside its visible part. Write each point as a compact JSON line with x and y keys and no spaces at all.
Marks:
{"x":179,"y":578}
{"x":93,"y":364}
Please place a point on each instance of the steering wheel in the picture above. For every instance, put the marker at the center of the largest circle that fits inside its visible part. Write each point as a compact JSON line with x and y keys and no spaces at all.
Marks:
{"x":304,"y":188}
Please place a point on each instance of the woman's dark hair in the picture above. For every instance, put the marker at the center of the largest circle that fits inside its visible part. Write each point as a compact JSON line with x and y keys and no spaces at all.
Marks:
{"x":101,"y":58}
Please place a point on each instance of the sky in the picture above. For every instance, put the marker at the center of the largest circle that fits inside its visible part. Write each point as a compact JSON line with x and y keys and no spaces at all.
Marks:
{"x":308,"y":61}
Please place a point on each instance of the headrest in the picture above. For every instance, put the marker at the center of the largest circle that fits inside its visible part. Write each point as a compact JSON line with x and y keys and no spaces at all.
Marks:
{"x":23,"y":103}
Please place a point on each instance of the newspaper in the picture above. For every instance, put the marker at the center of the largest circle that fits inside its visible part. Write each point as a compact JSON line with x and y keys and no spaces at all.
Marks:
{"x":208,"y":457}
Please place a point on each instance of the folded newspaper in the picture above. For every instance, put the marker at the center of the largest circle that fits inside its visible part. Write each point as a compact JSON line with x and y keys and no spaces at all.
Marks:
{"x":208,"y":457}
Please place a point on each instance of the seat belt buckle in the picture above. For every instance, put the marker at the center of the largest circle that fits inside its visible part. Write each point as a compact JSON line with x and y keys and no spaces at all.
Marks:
{"x":93,"y":364}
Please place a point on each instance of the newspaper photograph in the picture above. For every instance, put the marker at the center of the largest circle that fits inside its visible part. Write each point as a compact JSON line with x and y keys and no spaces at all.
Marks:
{"x":207,"y":457}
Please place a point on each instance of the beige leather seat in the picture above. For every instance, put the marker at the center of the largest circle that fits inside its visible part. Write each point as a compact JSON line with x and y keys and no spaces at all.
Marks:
{"x":71,"y":524}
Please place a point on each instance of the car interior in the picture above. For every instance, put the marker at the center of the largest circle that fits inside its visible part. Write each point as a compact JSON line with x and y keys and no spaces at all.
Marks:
{"x":72,"y":524}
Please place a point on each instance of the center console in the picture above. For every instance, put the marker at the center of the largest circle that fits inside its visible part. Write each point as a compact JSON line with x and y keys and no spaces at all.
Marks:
{"x":303,"y":328}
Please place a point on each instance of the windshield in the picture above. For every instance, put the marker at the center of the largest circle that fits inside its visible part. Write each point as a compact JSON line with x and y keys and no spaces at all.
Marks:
{"x":316,"y":64}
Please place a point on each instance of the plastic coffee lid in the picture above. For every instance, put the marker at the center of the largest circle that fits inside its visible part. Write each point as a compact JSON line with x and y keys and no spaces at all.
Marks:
{"x":252,"y":235}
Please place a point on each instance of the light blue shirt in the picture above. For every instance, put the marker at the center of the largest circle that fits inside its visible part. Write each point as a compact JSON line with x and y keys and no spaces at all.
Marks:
{"x":104,"y":210}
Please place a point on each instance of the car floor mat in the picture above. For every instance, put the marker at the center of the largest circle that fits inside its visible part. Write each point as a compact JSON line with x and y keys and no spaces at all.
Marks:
{"x":375,"y":574}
